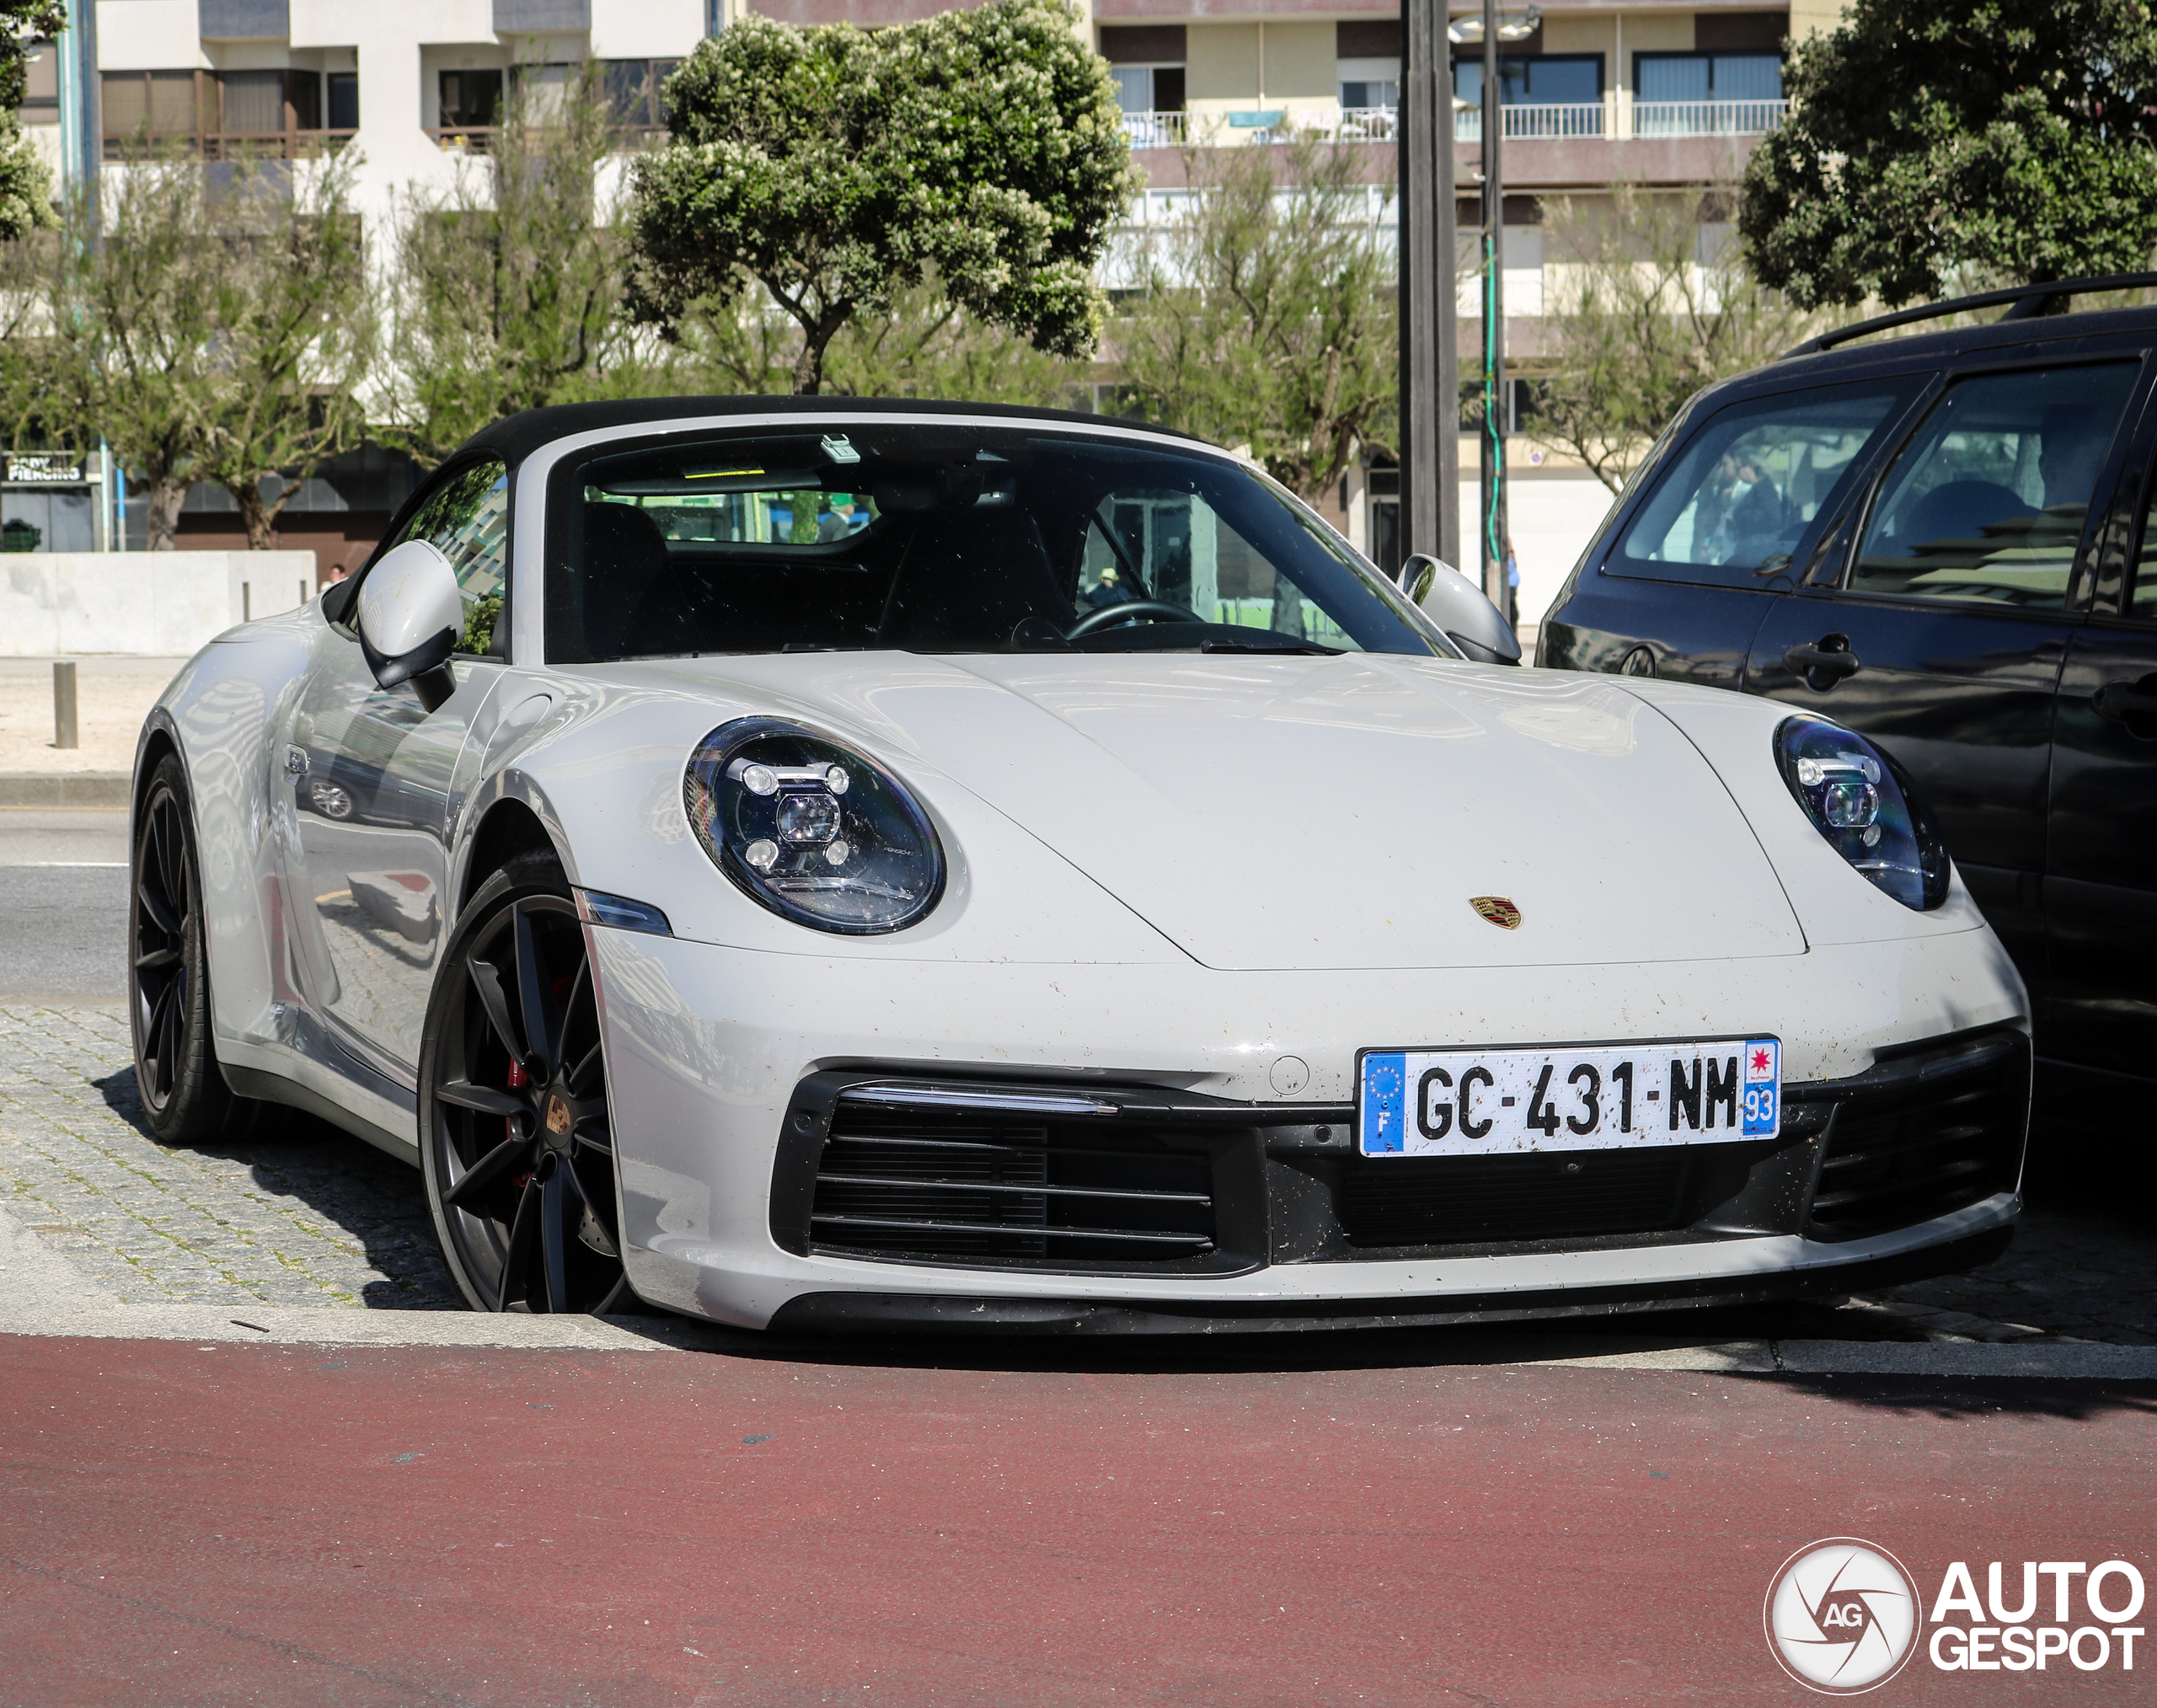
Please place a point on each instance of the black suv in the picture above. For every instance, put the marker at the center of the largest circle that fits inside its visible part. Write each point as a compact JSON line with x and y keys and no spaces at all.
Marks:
{"x":1946,"y":542}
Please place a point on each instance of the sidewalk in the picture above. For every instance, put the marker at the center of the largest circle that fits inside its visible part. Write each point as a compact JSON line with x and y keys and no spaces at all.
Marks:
{"x":112,"y":696}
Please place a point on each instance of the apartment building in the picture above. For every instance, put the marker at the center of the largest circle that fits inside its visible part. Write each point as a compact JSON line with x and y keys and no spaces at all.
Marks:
{"x":1655,"y":92}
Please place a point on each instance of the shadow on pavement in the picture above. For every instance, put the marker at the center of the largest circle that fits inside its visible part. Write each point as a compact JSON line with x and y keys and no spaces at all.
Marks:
{"x":375,"y":1198}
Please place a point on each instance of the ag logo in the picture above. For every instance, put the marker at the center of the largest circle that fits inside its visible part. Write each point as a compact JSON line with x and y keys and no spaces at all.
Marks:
{"x":1842,"y":1616}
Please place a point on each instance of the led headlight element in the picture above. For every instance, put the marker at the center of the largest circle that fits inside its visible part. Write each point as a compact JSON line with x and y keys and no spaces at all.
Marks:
{"x":817,"y":834}
{"x":1859,"y":799}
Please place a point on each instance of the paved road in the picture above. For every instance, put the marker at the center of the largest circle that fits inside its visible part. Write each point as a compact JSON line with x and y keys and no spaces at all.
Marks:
{"x":63,"y":934}
{"x":210,"y":1524}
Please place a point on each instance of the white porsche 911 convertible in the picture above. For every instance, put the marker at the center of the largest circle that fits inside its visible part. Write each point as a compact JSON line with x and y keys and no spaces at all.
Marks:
{"x":818,"y":863}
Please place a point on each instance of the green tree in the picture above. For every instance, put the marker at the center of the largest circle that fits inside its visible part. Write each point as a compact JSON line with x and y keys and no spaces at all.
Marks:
{"x":507,"y":291}
{"x":25,"y":187}
{"x":2011,"y":138}
{"x":981,"y":150}
{"x":113,"y":324}
{"x":1646,"y":300}
{"x":1268,"y":314}
{"x":295,"y":335}
{"x":923,"y":346}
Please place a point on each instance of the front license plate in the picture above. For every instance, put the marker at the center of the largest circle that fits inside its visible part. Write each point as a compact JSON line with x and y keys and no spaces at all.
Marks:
{"x":1472,"y":1102}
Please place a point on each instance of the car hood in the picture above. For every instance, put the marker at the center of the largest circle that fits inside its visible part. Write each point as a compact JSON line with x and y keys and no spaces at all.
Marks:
{"x":1344,"y":812}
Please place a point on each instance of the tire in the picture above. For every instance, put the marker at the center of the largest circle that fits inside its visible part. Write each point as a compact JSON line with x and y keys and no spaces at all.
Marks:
{"x":184,"y":1093}
{"x":514,"y":1135}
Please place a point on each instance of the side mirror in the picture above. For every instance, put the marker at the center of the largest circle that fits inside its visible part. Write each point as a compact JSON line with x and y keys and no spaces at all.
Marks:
{"x":1457,"y":606}
{"x":410,"y":615}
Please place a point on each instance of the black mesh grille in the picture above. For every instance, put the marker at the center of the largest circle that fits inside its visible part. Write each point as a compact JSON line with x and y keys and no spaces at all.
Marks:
{"x":1943,"y":1136}
{"x":1556,"y":1195}
{"x":958,"y":1187}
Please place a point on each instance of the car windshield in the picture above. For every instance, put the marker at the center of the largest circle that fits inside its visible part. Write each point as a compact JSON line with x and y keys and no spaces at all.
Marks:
{"x":946,"y":537}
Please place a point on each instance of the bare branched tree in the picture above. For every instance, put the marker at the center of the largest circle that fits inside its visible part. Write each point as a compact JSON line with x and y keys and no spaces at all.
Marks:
{"x":1267,"y":317}
{"x":1646,"y":300}
{"x":508,"y":286}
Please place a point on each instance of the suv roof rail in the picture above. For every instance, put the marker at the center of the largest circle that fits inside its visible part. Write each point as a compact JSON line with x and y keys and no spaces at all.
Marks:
{"x":2030,"y":301}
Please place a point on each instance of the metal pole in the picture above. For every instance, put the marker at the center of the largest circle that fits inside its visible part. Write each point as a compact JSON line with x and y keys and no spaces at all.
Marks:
{"x":63,"y":704}
{"x":1418,"y":280}
{"x":1493,"y":543}
{"x":1430,"y":353}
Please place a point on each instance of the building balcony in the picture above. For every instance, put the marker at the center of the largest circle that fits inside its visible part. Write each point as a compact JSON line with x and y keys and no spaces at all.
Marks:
{"x":1620,"y":118}
{"x":227,"y":145}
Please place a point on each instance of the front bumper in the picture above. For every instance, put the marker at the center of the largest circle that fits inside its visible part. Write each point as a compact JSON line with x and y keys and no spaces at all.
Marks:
{"x":720,"y":1062}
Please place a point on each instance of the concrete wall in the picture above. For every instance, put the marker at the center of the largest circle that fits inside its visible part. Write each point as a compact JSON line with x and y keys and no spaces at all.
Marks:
{"x":157,"y":604}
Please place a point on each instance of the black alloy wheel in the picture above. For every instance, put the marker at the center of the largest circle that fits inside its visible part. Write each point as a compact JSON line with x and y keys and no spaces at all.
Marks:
{"x":516,"y":1140}
{"x":183,"y":1092}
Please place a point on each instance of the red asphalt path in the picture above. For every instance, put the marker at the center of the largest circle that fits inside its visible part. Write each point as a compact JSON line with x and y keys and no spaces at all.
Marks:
{"x":278,"y":1524}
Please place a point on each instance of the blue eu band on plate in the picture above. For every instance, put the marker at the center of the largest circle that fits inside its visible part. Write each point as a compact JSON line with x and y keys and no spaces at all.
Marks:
{"x":1475,"y":1102}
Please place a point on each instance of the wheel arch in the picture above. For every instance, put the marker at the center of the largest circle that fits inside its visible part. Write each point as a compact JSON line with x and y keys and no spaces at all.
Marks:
{"x":516,"y":820}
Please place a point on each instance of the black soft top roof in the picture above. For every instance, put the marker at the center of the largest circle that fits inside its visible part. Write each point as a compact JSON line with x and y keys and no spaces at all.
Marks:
{"x":517,"y":436}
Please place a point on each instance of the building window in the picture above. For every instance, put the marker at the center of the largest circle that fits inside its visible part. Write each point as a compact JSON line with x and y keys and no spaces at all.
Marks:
{"x":1148,"y":88}
{"x":148,"y":106}
{"x":633,"y":88}
{"x":343,"y":92}
{"x":1369,"y":83}
{"x":471,"y":100}
{"x":1707,"y":77}
{"x":40,"y":84}
{"x":1547,"y":80}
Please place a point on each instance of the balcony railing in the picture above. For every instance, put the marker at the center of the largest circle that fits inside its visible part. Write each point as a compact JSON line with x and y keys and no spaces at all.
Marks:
{"x":1618,"y":116}
{"x":1534,"y":124}
{"x":1156,"y":129}
{"x":1707,"y":118}
{"x":229,"y":145}
{"x":1367,"y":125}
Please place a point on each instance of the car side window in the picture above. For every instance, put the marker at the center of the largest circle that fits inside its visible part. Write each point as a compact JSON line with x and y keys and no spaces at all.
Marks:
{"x":467,"y":518}
{"x":1987,"y":499}
{"x":2142,"y":595}
{"x":1731,"y":509}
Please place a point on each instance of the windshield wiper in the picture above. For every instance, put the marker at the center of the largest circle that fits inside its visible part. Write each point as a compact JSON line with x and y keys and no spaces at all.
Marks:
{"x":1281,"y":644}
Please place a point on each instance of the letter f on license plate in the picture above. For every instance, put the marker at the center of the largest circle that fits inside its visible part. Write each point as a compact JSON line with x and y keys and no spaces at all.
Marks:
{"x":1475,"y":1102}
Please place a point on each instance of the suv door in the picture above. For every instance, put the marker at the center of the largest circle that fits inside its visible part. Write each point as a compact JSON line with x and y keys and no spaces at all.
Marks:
{"x":2100,"y":879}
{"x":374,"y":777}
{"x":1944,"y":631}
{"x":1681,"y":586}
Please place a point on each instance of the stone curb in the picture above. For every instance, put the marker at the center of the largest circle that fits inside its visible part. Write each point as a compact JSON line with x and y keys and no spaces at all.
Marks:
{"x":343,"y":1327}
{"x":75,"y":789}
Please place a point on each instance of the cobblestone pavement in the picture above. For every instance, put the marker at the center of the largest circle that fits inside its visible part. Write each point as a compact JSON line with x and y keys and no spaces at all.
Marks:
{"x":299,"y":1213}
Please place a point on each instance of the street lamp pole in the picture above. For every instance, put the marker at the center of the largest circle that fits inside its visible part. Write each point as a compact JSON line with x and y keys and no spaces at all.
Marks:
{"x":1493,"y":436}
{"x":1430,"y":336}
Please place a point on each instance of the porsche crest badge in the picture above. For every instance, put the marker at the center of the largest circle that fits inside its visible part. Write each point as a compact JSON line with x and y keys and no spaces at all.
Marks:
{"x":1497,"y":909}
{"x":558,"y":1117}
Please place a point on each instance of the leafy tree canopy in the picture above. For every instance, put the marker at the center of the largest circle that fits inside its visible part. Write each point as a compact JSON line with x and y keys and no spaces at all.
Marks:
{"x":2009,"y":137}
{"x":25,"y":185}
{"x":1267,"y":317}
{"x":839,"y":169}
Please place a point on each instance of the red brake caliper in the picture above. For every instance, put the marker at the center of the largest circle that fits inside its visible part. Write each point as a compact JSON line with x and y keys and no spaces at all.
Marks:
{"x":517,"y":1079}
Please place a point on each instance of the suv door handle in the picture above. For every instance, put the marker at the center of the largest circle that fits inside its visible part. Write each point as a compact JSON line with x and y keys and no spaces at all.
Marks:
{"x":2123,"y":701}
{"x":1824,"y":663}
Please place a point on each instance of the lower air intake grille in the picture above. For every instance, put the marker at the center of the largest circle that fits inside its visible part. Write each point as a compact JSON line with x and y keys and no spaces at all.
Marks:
{"x":1444,"y":1201}
{"x":984,"y":1188}
{"x":1940,"y":1132}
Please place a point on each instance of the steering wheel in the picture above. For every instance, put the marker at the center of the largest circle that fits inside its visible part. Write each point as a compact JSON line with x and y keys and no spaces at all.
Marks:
{"x":1158,"y":609}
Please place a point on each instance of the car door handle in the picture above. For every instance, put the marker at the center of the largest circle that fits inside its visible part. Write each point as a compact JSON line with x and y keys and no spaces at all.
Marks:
{"x":1823,"y":663}
{"x":2120,"y":701}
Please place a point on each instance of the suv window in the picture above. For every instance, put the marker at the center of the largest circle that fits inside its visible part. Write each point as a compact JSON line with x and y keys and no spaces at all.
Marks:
{"x":467,"y":518}
{"x":1731,"y":509}
{"x":1987,"y":499}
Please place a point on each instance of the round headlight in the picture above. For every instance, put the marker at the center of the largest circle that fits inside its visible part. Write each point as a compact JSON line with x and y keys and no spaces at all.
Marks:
{"x":811,"y":831}
{"x":1866,"y":806}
